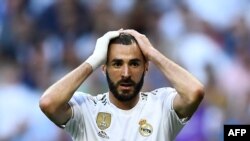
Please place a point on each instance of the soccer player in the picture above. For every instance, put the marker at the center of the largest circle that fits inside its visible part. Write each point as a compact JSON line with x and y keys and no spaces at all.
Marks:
{"x":124,"y":113}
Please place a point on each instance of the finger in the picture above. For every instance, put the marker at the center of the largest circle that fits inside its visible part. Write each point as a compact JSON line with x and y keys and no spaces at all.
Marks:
{"x":132,"y":32}
{"x":112,"y":34}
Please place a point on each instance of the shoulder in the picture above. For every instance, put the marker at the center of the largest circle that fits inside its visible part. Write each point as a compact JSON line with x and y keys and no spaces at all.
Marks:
{"x":80,"y":97}
{"x":163,"y":90}
{"x":160,"y":94}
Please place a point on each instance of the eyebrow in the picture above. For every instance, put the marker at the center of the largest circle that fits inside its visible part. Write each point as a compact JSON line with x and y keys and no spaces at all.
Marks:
{"x":132,"y":60}
{"x":116,"y":60}
{"x":135,"y":60}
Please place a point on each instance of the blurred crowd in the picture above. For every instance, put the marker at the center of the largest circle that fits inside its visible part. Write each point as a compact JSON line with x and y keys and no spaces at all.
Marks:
{"x":40,"y":41}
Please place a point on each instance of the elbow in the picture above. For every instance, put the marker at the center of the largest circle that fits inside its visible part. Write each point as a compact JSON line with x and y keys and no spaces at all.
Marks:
{"x":199,"y":93}
{"x":46,"y":105}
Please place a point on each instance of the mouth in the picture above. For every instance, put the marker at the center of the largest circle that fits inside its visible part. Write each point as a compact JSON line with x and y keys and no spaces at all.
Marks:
{"x":126,"y":86}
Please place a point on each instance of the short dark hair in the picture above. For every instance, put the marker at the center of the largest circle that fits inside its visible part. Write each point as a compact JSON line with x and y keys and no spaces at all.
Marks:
{"x":124,"y":39}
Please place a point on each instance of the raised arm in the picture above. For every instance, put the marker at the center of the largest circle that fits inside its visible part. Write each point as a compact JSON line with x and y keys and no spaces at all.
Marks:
{"x":54,"y":101}
{"x":190,"y":90}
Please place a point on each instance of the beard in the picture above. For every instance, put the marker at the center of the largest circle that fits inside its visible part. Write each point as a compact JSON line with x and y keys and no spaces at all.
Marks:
{"x":123,"y":95}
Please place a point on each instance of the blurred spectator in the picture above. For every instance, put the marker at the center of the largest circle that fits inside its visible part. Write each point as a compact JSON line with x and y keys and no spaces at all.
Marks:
{"x":105,"y":18}
{"x":66,"y":19}
{"x":21,"y":118}
{"x":17,"y":28}
{"x":236,"y":82}
{"x":219,"y":14}
{"x":216,"y":105}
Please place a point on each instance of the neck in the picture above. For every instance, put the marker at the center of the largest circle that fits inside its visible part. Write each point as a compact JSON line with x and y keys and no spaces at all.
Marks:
{"x":124,"y":105}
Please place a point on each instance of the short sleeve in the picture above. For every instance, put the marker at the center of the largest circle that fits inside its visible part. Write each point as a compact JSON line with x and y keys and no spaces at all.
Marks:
{"x":76,"y":124}
{"x":172,"y":123}
{"x":169,"y":102}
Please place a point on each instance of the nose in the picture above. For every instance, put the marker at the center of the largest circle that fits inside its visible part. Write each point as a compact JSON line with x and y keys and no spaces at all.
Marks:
{"x":125,"y":71}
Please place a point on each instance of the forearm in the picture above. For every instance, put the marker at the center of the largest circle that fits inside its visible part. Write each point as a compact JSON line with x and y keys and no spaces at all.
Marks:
{"x":61,"y":92}
{"x":185,"y":83}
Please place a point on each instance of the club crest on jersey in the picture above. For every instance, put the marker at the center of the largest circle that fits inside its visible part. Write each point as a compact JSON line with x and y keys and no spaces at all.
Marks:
{"x":145,"y":128}
{"x":103,"y":120}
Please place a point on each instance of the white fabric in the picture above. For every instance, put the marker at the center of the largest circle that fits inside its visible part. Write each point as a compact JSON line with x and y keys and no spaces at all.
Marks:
{"x":99,"y":55}
{"x":156,"y":107}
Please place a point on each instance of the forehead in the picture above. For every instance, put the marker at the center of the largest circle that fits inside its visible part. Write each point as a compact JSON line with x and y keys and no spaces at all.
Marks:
{"x":124,"y":52}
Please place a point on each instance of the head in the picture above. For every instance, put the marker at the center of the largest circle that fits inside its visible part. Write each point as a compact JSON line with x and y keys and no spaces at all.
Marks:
{"x":125,"y":67}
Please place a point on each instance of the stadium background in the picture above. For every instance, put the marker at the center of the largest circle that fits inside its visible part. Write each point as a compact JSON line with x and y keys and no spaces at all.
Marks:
{"x":41,"y":40}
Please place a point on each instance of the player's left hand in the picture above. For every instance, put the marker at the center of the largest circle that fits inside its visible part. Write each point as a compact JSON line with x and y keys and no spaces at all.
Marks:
{"x":144,"y":43}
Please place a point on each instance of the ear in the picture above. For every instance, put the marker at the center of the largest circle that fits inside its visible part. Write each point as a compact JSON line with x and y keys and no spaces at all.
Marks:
{"x":104,"y":69}
{"x":146,"y":66}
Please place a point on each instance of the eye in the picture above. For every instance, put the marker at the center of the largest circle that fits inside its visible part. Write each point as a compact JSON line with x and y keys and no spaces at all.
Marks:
{"x":116,"y":64}
{"x":135,"y":64}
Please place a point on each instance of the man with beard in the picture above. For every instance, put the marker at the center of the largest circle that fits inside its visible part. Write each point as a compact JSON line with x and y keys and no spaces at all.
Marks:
{"x":123,"y":113}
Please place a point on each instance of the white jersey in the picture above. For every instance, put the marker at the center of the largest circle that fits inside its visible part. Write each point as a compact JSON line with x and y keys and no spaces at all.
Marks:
{"x":95,"y":118}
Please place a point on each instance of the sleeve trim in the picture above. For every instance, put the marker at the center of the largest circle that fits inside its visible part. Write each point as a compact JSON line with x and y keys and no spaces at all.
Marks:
{"x":181,"y":120}
{"x":71,"y":117}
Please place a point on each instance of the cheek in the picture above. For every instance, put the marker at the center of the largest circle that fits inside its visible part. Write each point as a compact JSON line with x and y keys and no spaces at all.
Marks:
{"x":137,"y":75}
{"x":114,"y":75}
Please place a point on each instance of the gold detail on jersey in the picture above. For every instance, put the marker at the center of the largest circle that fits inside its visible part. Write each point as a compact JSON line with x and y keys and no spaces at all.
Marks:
{"x":103,"y":120}
{"x":145,"y":128}
{"x":142,"y":121}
